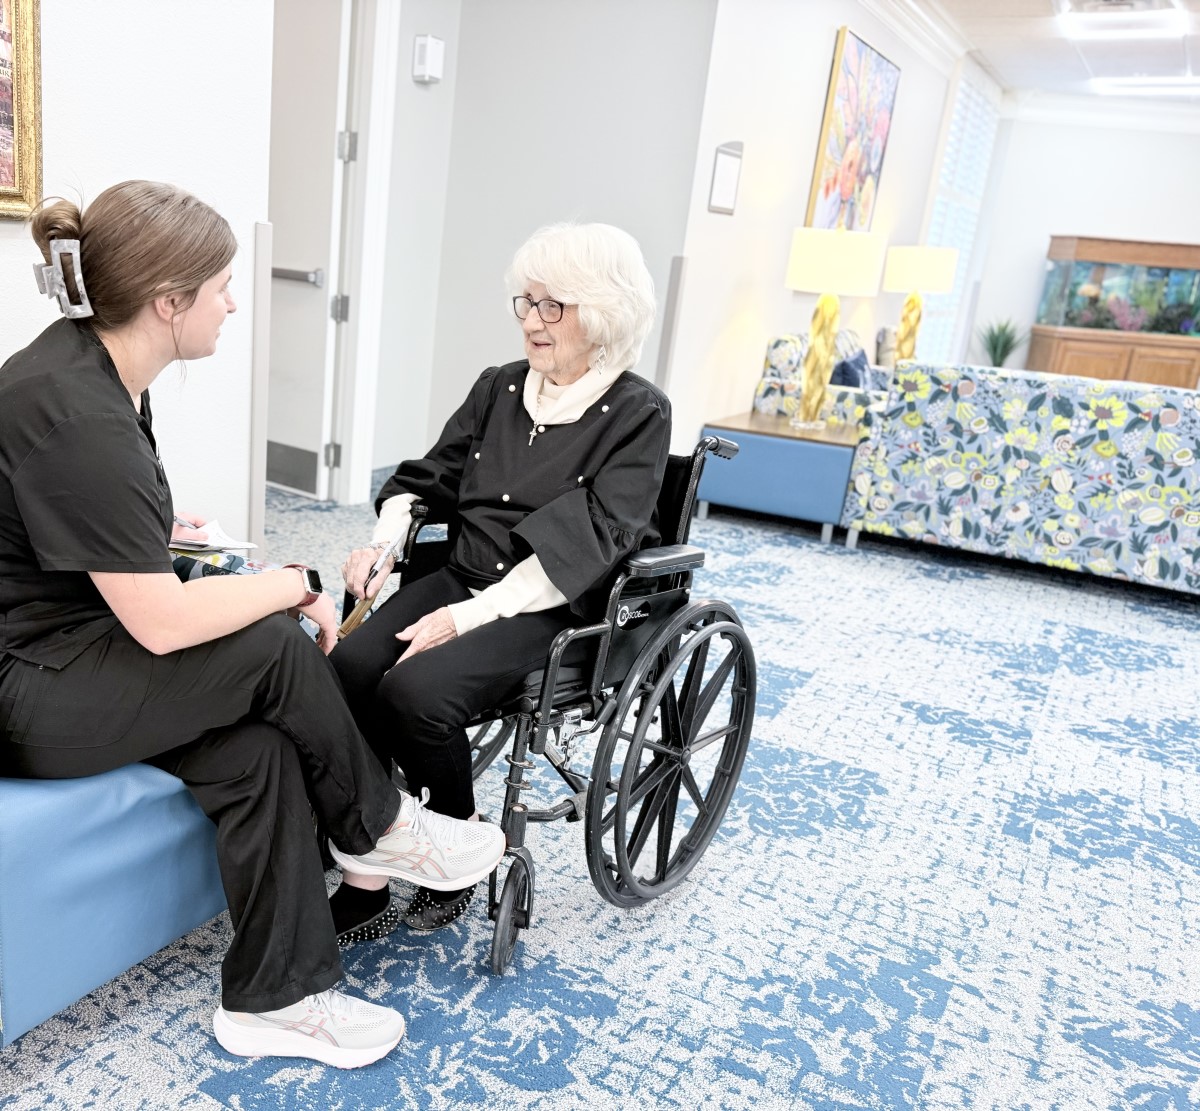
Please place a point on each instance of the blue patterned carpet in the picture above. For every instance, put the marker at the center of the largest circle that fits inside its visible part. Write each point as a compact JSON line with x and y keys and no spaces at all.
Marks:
{"x":962,"y":870}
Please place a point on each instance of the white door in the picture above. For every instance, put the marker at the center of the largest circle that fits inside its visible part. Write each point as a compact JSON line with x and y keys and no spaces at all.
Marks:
{"x":308,"y":108}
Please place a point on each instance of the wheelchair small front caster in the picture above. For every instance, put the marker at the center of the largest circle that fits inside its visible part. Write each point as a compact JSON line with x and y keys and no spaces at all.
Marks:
{"x":513,"y":911}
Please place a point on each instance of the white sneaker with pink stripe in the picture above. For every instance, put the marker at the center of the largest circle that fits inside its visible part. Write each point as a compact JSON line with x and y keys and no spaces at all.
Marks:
{"x":330,"y":1027}
{"x":429,"y":849}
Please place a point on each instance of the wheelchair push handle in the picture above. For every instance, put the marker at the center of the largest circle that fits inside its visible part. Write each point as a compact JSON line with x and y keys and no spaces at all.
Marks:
{"x":721,"y":447}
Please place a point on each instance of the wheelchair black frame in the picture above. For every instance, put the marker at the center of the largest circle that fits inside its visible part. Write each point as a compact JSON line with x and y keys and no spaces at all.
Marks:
{"x":667,"y":570}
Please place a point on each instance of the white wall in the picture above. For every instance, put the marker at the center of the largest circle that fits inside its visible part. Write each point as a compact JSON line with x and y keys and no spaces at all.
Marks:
{"x":420,"y":167}
{"x":1087,"y":170}
{"x":584,"y":111}
{"x":767,"y":82}
{"x":174,"y":91}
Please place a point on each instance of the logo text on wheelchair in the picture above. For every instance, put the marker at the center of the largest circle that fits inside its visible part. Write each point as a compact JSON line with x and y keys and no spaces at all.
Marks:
{"x":627,"y":618}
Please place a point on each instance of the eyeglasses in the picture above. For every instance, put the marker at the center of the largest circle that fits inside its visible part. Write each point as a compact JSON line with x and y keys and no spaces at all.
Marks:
{"x":548,"y":310}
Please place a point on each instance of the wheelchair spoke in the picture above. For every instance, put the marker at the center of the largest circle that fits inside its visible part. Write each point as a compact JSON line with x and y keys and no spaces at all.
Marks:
{"x":691,"y":686}
{"x":649,"y":814}
{"x":648,"y":779}
{"x":693,"y":789}
{"x":705,"y":739}
{"x":672,"y":729}
{"x":651,"y":776}
{"x":666,"y":829}
{"x":712,"y":690}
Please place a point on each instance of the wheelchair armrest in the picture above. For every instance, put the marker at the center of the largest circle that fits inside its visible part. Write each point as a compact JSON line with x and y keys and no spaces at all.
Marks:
{"x":419,"y":518}
{"x":664,"y":561}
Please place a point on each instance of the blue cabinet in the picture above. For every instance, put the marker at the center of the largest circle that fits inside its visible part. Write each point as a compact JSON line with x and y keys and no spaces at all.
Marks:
{"x":781,"y":470}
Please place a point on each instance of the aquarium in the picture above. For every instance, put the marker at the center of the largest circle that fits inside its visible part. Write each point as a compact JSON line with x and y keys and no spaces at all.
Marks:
{"x":1122,"y":297}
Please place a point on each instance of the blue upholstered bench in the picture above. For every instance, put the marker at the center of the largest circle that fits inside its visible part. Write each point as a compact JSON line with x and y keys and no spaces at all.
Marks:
{"x":96,"y":874}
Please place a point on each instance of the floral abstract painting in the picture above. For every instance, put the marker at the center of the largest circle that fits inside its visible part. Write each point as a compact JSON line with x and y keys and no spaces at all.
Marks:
{"x":7,"y":168}
{"x":854,"y":135}
{"x":20,"y":108}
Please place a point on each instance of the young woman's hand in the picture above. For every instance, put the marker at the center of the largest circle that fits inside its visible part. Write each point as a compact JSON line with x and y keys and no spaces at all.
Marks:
{"x":324,"y":614}
{"x":188,"y":526}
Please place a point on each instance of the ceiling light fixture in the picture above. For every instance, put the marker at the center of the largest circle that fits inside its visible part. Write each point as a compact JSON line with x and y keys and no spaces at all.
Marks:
{"x":1165,"y":23}
{"x":1185,"y":85}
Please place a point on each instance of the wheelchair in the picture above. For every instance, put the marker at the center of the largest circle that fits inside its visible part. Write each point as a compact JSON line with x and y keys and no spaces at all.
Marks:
{"x":664,"y":685}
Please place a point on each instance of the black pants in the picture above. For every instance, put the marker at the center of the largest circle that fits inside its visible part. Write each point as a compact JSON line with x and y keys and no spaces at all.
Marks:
{"x":255,"y":724}
{"x":415,"y":712}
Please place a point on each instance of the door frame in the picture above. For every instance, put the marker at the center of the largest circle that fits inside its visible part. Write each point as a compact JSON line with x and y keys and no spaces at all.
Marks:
{"x":370,"y":112}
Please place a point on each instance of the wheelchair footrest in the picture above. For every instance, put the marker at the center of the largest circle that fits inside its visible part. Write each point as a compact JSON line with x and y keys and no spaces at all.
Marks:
{"x":571,"y":809}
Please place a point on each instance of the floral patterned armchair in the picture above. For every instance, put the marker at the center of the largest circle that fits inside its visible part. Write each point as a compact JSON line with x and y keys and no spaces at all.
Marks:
{"x":779,"y":388}
{"x":1077,"y":473}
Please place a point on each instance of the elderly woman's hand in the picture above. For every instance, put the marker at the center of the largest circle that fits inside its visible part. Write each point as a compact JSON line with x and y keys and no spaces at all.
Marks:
{"x":358,"y":566}
{"x":430,"y":631}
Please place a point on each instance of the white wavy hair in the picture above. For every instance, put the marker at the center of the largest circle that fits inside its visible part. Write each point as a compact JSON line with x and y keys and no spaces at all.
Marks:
{"x":599,"y":268}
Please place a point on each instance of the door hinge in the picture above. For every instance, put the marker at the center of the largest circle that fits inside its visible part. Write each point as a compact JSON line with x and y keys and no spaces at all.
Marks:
{"x":339,"y":307}
{"x":347,"y":146}
{"x":333,"y":455}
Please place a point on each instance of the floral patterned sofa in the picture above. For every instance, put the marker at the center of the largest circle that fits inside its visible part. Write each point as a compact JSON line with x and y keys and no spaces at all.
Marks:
{"x":1078,"y":473}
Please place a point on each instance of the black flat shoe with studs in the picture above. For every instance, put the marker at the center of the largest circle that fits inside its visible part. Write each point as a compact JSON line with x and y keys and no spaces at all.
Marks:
{"x":425,"y":913}
{"x":382,"y":924}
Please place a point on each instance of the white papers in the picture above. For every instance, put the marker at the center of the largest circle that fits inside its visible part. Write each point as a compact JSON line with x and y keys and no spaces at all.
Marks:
{"x":218,"y":540}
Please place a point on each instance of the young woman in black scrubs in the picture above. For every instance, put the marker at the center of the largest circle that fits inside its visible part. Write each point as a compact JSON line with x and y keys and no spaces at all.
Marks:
{"x":107,"y":658}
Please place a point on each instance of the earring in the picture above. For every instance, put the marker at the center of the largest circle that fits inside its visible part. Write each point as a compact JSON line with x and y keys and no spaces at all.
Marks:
{"x":601,"y":359}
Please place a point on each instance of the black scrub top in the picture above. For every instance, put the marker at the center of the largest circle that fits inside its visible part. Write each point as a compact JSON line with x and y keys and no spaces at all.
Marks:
{"x":81,"y":489}
{"x":581,"y":496}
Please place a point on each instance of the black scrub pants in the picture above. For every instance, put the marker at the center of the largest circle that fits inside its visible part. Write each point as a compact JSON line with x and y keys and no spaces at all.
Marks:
{"x":255,"y":724}
{"x":415,"y":712}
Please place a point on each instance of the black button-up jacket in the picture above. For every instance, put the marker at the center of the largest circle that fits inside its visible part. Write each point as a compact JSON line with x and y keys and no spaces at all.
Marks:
{"x":581,"y":496}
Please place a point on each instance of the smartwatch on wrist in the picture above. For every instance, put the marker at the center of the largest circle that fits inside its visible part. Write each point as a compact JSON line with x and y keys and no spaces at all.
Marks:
{"x":312,"y":583}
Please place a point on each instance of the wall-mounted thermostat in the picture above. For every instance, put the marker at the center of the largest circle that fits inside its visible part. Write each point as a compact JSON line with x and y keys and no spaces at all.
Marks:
{"x":428,"y":55}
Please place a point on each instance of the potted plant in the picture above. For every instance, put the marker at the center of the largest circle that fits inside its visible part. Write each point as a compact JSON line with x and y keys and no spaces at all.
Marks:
{"x":1000,"y":339}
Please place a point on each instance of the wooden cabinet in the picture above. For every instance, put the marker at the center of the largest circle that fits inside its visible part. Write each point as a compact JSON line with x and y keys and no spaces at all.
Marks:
{"x":1103,"y":281}
{"x":1161,"y":360}
{"x":1165,"y":366}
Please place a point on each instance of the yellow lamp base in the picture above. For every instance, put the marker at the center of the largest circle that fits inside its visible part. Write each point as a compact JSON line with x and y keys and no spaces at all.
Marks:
{"x":910,"y":321}
{"x":818,"y":363}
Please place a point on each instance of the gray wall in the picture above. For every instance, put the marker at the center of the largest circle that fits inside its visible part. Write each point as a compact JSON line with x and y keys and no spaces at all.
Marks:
{"x":420,"y":165}
{"x":563,"y":109}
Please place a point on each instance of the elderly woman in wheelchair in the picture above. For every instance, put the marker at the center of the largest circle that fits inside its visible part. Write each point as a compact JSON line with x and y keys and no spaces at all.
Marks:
{"x":552,"y":478}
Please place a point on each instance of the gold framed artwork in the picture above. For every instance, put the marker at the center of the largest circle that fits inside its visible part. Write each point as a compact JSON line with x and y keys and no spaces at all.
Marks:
{"x":854,"y":136}
{"x":20,"y":109}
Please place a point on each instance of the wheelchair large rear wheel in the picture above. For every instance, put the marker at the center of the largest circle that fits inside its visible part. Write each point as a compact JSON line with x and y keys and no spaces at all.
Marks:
{"x":669,"y":758}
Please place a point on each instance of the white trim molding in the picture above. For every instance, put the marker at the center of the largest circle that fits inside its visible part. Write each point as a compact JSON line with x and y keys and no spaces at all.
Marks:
{"x":1140,"y":114}
{"x":925,"y":27}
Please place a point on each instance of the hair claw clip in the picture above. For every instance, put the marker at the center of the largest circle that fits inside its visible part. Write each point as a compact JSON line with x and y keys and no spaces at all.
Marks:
{"x":52,"y":282}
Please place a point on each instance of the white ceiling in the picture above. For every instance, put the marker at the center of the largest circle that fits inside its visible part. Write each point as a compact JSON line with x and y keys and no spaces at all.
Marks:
{"x":1021,"y":43}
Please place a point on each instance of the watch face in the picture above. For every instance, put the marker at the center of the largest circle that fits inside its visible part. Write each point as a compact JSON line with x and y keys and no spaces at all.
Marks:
{"x":313,"y":580}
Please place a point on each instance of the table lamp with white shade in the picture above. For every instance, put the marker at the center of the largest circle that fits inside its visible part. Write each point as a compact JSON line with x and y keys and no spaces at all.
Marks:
{"x":829,"y":262}
{"x":917,"y":270}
